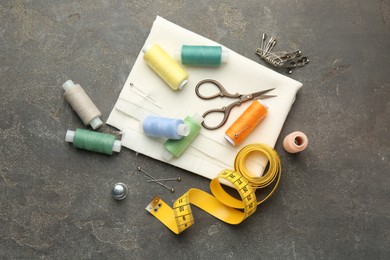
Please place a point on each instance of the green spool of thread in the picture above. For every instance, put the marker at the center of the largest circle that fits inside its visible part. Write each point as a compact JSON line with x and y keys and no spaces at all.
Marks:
{"x":93,"y":141}
{"x":175,"y":148}
{"x":197,"y":55}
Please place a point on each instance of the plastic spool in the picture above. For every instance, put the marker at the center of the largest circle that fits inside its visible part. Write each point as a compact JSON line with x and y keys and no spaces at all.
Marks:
{"x":199,"y":55}
{"x":246,"y":122}
{"x":295,"y":142}
{"x":165,"y":66}
{"x":93,"y":141}
{"x":170,"y":128}
{"x":82,"y":104}
{"x":175,"y":148}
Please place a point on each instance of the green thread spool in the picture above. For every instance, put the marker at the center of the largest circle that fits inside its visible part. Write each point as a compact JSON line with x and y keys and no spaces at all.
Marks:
{"x":198,"y":55}
{"x":93,"y":141}
{"x":175,"y":148}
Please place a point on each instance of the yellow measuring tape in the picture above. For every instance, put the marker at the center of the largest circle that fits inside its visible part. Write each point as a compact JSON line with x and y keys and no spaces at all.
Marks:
{"x":222,"y":205}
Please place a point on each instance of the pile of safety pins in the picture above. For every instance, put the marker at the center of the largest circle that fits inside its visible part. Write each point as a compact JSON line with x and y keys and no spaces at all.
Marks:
{"x":281,"y":60}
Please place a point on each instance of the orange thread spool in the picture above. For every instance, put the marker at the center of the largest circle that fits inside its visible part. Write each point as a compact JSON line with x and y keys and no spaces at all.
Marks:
{"x":246,"y":122}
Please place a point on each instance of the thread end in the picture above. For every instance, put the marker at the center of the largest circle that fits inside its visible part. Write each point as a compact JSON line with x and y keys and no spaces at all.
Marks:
{"x":177,"y":55}
{"x":183,"y":130}
{"x":224,"y":56}
{"x":230,"y":140}
{"x":167,"y":156}
{"x":117,"y":146}
{"x":197,"y":118}
{"x":182,"y":84}
{"x":146,"y":48}
{"x":68,"y":85}
{"x":263,"y":103}
{"x":96,"y":123}
{"x":69,"y":136}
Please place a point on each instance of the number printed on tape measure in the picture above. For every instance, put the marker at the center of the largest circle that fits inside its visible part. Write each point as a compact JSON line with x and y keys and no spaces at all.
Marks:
{"x":183,"y":213}
{"x":221,"y":204}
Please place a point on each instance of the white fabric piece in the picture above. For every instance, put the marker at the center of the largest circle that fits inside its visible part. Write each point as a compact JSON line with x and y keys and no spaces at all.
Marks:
{"x":209,"y":153}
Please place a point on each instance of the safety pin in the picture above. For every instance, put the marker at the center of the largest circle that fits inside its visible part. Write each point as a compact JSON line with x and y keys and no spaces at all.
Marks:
{"x":285,"y":60}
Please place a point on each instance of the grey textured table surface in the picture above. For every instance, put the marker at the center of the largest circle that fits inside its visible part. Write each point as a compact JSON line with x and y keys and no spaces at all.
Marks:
{"x":333,"y":201}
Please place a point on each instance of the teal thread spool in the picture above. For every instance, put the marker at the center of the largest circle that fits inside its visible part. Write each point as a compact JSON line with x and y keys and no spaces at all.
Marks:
{"x":175,"y":148}
{"x":93,"y":141}
{"x":198,"y":55}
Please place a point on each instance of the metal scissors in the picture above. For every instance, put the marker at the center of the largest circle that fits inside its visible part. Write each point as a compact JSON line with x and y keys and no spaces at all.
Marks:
{"x":223,"y":93}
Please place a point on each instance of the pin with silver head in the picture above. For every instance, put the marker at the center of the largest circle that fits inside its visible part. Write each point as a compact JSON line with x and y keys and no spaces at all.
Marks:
{"x":237,"y":134}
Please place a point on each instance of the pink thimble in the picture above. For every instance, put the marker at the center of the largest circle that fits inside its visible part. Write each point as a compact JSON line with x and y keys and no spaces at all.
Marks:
{"x":295,"y":142}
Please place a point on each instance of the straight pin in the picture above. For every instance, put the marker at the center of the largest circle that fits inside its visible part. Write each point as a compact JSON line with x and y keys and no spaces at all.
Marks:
{"x":167,"y":179}
{"x":237,"y":134}
{"x":155,"y":180}
{"x":144,"y":95}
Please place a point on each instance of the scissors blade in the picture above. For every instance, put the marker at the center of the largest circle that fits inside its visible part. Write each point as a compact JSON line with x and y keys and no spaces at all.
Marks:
{"x":260,"y":94}
{"x":265,"y":96}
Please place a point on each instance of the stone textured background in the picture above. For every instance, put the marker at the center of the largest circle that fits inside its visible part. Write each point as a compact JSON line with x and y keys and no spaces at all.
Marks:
{"x":55,"y":202}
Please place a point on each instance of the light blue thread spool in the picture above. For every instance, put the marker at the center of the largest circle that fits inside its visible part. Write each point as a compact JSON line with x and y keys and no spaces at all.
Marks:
{"x":198,"y":55}
{"x":170,"y":128}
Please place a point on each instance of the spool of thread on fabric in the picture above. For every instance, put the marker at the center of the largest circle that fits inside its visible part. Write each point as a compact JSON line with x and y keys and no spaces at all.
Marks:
{"x":170,"y":128}
{"x":199,"y":55}
{"x":295,"y":142}
{"x":246,"y":122}
{"x":165,"y":66}
{"x":82,"y":104}
{"x":93,"y":141}
{"x":175,"y":148}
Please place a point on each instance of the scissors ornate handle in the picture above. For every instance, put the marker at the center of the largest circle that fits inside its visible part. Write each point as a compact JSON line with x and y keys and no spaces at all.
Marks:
{"x":221,"y":90}
{"x":226,"y":112}
{"x":223,"y":93}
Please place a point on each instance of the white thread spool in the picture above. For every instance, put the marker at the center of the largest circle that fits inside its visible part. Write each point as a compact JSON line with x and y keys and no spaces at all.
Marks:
{"x":82,"y":104}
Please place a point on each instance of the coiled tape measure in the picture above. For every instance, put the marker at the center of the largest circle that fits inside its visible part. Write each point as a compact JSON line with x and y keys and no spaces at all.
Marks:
{"x":221,"y":204}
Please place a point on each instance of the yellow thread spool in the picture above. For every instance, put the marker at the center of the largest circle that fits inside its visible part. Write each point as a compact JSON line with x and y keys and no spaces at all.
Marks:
{"x":165,"y":66}
{"x":245,"y":124}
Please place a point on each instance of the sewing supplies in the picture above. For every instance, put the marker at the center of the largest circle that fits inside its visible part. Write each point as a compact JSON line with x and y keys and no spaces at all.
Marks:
{"x":82,"y":104}
{"x":151,"y":178}
{"x":221,"y":204}
{"x":175,"y":148}
{"x":283,"y":60}
{"x":198,"y":55}
{"x":119,"y":191}
{"x":165,"y":66}
{"x":223,"y":93}
{"x":93,"y":141}
{"x":156,"y":126}
{"x":246,"y":122}
{"x":295,"y":142}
